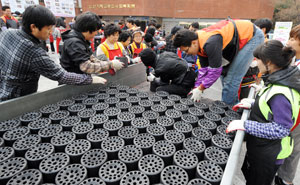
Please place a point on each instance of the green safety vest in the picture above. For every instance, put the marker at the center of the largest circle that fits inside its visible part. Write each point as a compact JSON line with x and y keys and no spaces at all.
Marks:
{"x":287,"y":143}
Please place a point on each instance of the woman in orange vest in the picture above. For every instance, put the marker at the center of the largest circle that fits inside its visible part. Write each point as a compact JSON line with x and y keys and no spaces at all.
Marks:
{"x":110,"y":48}
{"x":137,"y":45}
{"x":233,"y":40}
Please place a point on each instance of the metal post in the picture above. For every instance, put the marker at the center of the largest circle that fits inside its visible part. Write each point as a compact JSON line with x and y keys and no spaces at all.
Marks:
{"x":233,"y":159}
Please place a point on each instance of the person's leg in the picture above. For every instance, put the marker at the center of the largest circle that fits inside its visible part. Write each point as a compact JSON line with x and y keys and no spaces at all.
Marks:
{"x":52,"y":46}
{"x":288,"y":170}
{"x":238,"y":69}
{"x":175,"y":89}
{"x":259,"y":170}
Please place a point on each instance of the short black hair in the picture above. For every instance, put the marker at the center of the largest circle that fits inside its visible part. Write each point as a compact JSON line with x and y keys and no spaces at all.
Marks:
{"x":123,"y":37}
{"x":158,"y":26}
{"x":152,"y":22}
{"x":38,"y":15}
{"x":148,"y":38}
{"x":175,"y":29}
{"x":137,"y":22}
{"x":131,"y":21}
{"x":5,"y":7}
{"x":111,"y":29}
{"x":60,"y":22}
{"x":88,"y":21}
{"x":184,"y":38}
{"x":195,"y":25}
{"x":151,"y":30}
{"x":121,"y":22}
{"x":275,"y":52}
{"x":264,"y":23}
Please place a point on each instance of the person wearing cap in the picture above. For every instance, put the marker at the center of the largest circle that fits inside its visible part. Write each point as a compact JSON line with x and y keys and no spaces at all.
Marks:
{"x":77,"y":55}
{"x":171,"y":73}
{"x":7,"y":20}
{"x":137,"y":45}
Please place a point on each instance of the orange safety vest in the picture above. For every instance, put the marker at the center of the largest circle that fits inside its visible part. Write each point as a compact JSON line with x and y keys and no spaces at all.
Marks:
{"x":4,"y":18}
{"x":225,"y":28}
{"x":117,"y":51}
{"x":136,"y":51}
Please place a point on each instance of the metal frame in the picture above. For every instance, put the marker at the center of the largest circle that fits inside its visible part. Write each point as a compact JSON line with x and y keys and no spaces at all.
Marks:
{"x":131,"y":76}
{"x":231,"y":167}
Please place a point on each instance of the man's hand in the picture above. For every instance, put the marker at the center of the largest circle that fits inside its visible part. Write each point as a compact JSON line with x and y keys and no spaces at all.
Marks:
{"x":235,"y":125}
{"x":117,"y":65}
{"x":246,"y":103}
{"x":151,"y":77}
{"x":196,"y":94}
{"x":98,"y":80}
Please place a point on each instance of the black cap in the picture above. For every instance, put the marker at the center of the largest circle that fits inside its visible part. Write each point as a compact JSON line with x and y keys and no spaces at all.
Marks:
{"x":148,"y":57}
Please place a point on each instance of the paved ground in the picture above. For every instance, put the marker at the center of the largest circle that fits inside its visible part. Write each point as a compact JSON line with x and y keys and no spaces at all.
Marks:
{"x":213,"y":93}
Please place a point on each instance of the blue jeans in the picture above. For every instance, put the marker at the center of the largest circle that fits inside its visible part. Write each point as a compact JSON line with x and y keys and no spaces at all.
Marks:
{"x":238,"y":68}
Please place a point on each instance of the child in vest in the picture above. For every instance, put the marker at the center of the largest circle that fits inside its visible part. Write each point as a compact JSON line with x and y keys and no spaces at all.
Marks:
{"x":137,"y":46}
{"x":273,"y":114}
{"x":287,"y":171}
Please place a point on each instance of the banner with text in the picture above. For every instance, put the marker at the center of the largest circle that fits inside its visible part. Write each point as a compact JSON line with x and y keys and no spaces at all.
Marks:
{"x":61,"y":8}
{"x":19,"y":5}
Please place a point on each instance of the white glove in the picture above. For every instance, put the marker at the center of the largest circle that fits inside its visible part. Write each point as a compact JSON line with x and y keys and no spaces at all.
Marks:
{"x":98,"y":80}
{"x":257,"y":87}
{"x":151,"y":77}
{"x":136,"y":60}
{"x":117,"y":65}
{"x":197,"y":93}
{"x":235,"y":125}
{"x":245,"y":103}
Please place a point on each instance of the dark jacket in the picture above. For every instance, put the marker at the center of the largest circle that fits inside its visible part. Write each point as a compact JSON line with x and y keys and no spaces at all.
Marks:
{"x":289,"y":77}
{"x":76,"y":50}
{"x":169,"y":67}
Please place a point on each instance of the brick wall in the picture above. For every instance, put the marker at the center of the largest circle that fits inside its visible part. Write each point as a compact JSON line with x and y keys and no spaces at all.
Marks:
{"x":182,"y":8}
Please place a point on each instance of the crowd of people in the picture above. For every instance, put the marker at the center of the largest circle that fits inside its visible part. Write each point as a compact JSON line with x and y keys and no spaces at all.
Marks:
{"x":186,"y":62}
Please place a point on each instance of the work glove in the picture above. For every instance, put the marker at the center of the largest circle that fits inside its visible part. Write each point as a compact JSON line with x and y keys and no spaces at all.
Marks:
{"x":151,"y":77}
{"x":196,"y":94}
{"x":117,"y":65}
{"x":257,"y":87}
{"x":98,"y":80}
{"x":235,"y":125}
{"x":136,"y":60}
{"x":246,"y":103}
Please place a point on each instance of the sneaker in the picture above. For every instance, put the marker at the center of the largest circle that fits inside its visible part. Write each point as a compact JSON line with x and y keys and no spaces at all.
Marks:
{"x":279,"y":181}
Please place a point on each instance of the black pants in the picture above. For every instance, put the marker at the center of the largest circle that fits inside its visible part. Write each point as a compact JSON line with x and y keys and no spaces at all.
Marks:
{"x":259,"y":170}
{"x":179,"y":90}
{"x":52,"y":46}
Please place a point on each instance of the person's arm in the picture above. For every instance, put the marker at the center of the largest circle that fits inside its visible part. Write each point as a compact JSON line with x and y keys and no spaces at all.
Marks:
{"x":100,"y":54}
{"x":281,"y":124}
{"x":2,"y":25}
{"x":42,"y":64}
{"x":213,"y":67}
{"x":94,"y":65}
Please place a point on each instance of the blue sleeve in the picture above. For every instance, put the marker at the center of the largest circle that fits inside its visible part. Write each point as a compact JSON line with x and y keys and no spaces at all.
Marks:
{"x":281,"y":123}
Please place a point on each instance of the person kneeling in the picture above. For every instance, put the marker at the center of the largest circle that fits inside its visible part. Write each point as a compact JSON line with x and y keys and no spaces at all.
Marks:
{"x":171,"y":73}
